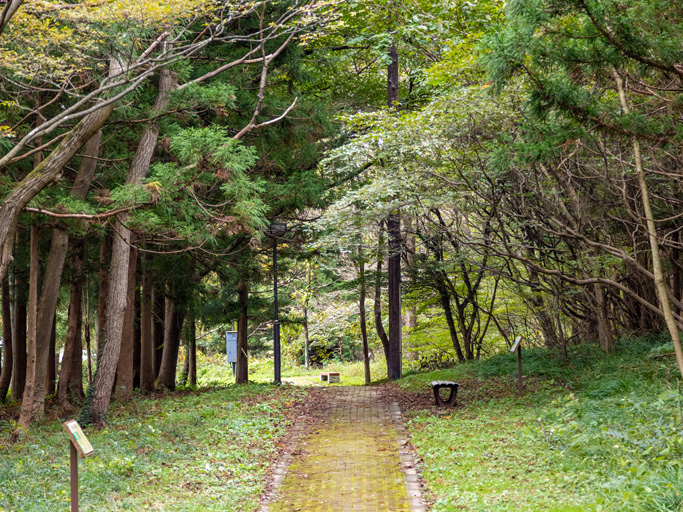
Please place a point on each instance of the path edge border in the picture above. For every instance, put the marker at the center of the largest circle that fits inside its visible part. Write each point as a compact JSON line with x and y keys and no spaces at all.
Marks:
{"x":281,"y":467}
{"x":408,"y":465}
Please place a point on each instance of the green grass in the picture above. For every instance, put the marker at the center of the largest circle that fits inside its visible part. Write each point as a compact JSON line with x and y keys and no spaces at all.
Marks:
{"x":599,"y":433}
{"x":215,"y":372}
{"x":190,"y":451}
{"x":613,"y":438}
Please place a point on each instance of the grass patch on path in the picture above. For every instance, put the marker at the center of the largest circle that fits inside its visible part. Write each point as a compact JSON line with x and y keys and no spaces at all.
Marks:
{"x":188,"y":451}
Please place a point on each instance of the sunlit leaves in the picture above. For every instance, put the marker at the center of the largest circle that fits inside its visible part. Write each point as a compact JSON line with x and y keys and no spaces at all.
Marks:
{"x":54,"y":41}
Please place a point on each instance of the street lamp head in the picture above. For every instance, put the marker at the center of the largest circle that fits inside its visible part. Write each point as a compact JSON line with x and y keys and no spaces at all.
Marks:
{"x":276,"y":229}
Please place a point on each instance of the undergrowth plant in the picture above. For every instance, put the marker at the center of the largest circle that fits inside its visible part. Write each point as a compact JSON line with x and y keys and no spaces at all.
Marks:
{"x":594,"y":433}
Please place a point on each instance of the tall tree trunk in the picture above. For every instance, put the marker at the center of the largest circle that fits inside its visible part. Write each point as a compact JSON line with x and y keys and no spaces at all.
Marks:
{"x":125,"y":371}
{"x":147,"y":374}
{"x":47,"y":305}
{"x":377,"y":305}
{"x":76,"y":384}
{"x":50,"y":379}
{"x":445,"y":300}
{"x":242,"y":371}
{"x":394,"y":362}
{"x":169,"y":359}
{"x":137,"y":336}
{"x":29,"y":409}
{"x":540,"y":309}
{"x":158,"y":323}
{"x":363,"y":326}
{"x":6,"y":374}
{"x":72,"y":333}
{"x":662,"y":290}
{"x":105,"y":251}
{"x":604,"y":329}
{"x":394,"y":356}
{"x":106,"y":368}
{"x":464,"y":326}
{"x":377,"y":310}
{"x":19,"y":339}
{"x":186,"y":360}
{"x":86,"y":332}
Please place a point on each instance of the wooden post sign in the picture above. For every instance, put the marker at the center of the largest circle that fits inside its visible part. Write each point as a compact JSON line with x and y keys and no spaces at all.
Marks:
{"x":516,"y":346}
{"x":79,"y":445}
{"x":77,"y":437}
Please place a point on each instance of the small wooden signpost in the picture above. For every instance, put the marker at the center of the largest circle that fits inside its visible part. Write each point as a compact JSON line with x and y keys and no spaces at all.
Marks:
{"x":79,"y":445}
{"x":516,"y":346}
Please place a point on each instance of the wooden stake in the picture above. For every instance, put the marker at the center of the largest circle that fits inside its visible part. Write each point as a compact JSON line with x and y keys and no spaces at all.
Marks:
{"x":74,"y":477}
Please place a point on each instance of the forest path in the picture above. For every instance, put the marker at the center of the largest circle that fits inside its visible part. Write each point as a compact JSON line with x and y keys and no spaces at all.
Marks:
{"x":353,"y":457}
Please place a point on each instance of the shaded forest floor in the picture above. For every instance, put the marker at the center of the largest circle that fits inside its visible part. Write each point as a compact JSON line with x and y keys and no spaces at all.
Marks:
{"x":188,"y":451}
{"x":596,"y":433}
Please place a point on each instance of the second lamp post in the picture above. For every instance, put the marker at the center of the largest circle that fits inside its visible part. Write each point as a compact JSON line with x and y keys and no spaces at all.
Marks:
{"x":275,"y":230}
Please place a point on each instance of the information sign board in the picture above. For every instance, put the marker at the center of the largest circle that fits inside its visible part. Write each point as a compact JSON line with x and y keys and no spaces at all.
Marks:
{"x":77,"y":437}
{"x":515,"y":344}
{"x":231,"y":346}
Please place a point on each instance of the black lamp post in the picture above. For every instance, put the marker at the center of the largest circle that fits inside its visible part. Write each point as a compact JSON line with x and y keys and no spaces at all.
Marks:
{"x":275,"y":230}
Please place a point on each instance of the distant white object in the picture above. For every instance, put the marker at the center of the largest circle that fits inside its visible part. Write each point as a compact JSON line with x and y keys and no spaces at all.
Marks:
{"x":330,"y":377}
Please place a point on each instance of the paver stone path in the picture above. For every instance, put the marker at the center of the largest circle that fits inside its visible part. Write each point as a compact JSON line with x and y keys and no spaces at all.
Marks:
{"x":355,"y":459}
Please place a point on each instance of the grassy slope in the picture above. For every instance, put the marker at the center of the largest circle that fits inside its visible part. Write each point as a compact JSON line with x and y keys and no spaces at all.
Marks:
{"x":203,"y":451}
{"x":612,"y":440}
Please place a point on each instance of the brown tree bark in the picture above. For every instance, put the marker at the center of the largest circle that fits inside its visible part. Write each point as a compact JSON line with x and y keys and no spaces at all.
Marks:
{"x":29,"y":408}
{"x":47,"y":305}
{"x":105,"y":250}
{"x":73,"y":333}
{"x":106,"y":369}
{"x":377,"y":309}
{"x":6,"y":374}
{"x":86,"y":333}
{"x":125,"y":370}
{"x":186,"y":360}
{"x":76,"y":385}
{"x":394,"y":353}
{"x":242,"y":370}
{"x":51,"y":375}
{"x":147,"y":374}
{"x":169,"y":359}
{"x":158,"y":327}
{"x":19,"y":339}
{"x":137,"y":335}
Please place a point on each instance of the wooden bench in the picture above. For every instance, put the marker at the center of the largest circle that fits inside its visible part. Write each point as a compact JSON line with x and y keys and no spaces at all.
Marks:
{"x":329,"y":377}
{"x":437,"y":385}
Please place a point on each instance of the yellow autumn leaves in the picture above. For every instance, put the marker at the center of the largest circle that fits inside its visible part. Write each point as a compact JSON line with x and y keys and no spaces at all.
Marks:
{"x":53,"y":40}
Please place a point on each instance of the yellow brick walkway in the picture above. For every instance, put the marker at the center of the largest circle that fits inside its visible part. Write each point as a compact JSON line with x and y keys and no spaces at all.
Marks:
{"x":355,"y":459}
